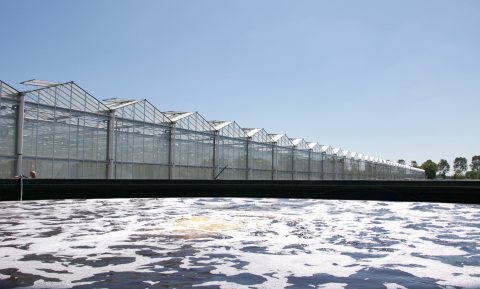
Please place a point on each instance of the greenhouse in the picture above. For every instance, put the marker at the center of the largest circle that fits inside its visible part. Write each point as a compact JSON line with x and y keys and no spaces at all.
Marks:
{"x":60,"y":130}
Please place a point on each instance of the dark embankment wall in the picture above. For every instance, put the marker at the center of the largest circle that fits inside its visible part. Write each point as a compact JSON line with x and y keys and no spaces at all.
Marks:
{"x":421,"y":191}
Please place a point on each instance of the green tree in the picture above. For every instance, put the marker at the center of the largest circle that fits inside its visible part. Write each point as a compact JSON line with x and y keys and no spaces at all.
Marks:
{"x":430,"y":169}
{"x":472,"y":175}
{"x":475,"y":164}
{"x":402,"y":162}
{"x":443,"y":168}
{"x":460,"y":166}
{"x":414,"y":164}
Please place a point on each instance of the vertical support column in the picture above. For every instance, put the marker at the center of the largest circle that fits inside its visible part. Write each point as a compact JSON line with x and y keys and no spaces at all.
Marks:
{"x":334,"y":166}
{"x":358,"y":170}
{"x":309,"y":164}
{"x":274,"y":165}
{"x":111,"y":146}
{"x":171,"y":154}
{"x":247,"y":160}
{"x":293,"y":163}
{"x":324,"y":159}
{"x":19,"y":135}
{"x":214,"y":160}
{"x":372,"y":170}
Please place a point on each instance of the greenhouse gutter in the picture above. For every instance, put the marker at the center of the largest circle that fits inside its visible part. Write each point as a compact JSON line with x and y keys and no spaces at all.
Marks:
{"x":467,"y":192}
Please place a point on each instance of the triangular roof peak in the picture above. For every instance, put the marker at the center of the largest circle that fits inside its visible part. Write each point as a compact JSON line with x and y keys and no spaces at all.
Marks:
{"x":219,"y":124}
{"x":258,"y":135}
{"x":175,"y":116}
{"x":251,"y":131}
{"x":116,"y":103}
{"x":313,"y":145}
{"x":296,"y":141}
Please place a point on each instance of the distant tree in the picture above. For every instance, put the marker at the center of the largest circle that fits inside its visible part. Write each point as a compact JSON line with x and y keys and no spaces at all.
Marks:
{"x":472,"y":175}
{"x":475,"y":165}
{"x":443,"y":168}
{"x":402,"y":162}
{"x":460,"y":166}
{"x":414,"y":164}
{"x":430,"y":169}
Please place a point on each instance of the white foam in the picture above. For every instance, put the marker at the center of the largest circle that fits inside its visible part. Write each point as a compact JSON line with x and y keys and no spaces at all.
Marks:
{"x":394,"y":286}
{"x":321,"y":232}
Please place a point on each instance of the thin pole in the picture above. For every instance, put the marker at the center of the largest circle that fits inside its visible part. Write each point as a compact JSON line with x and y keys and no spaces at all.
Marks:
{"x":111,"y":145}
{"x":214,"y":159}
{"x":19,"y":136}
{"x":19,"y":140}
{"x":323,"y":165}
{"x":171,"y":153}
{"x":274,"y":165}
{"x":21,"y":187}
{"x":309,"y":164}
{"x":247,"y":162}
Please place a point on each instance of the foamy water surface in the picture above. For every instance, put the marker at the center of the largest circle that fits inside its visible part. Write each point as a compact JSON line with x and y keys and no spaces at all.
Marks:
{"x":238,"y":243}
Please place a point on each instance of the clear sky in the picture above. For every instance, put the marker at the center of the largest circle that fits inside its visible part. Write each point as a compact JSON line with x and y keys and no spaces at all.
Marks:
{"x":393,"y":79}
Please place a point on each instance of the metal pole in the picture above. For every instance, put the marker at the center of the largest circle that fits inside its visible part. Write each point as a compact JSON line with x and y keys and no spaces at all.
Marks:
{"x":323,"y":165}
{"x":309,"y":163}
{"x":247,"y":161}
{"x":171,"y":154}
{"x":334,"y":166}
{"x":274,"y":165}
{"x":293,"y":163}
{"x":19,"y":136}
{"x":19,"y":140}
{"x":214,"y":161}
{"x":358,"y":170}
{"x":111,"y":146}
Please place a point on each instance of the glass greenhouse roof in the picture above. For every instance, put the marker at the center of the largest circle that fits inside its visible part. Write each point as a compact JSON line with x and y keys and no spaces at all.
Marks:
{"x":117,"y":103}
{"x":281,"y":140}
{"x":258,"y":135}
{"x":315,"y":146}
{"x":141,"y":111}
{"x":300,"y":143}
{"x":228,"y":128}
{"x":68,"y":96}
{"x":7,"y":91}
{"x":338,"y":152}
{"x":327,"y":149}
{"x":189,"y":120}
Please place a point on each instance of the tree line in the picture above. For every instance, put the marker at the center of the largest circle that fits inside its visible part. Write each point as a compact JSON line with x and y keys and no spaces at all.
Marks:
{"x":442,"y":168}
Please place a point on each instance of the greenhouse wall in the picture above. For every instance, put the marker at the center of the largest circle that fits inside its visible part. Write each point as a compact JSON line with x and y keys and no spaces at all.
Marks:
{"x":8,"y":115}
{"x":61,"y":131}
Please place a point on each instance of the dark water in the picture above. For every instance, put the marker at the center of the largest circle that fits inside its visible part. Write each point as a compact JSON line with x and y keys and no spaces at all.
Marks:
{"x":238,"y":243}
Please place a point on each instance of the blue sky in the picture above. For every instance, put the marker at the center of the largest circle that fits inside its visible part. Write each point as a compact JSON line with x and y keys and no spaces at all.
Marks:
{"x":394,"y":79}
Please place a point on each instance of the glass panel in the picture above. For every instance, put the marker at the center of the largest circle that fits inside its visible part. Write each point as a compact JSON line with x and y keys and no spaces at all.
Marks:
{"x":193,"y":148}
{"x":260,"y":156}
{"x":7,"y":127}
{"x":231,"y":152}
{"x":142,"y":134}
{"x":7,"y":167}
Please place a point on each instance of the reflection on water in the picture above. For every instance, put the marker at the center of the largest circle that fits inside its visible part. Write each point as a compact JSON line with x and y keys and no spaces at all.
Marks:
{"x":238,"y":243}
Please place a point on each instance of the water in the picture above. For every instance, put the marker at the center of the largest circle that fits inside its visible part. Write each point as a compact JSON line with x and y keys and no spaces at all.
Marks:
{"x":238,"y":243}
